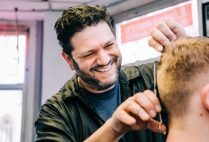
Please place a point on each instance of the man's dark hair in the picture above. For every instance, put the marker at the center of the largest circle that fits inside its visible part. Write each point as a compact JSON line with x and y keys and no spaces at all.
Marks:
{"x":75,"y":19}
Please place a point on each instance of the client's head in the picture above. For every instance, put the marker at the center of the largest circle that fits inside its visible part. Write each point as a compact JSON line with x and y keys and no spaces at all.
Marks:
{"x":183,"y":78}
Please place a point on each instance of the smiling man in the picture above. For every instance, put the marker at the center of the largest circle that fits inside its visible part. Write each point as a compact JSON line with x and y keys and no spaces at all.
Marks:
{"x":101,"y":102}
{"x":96,"y":58}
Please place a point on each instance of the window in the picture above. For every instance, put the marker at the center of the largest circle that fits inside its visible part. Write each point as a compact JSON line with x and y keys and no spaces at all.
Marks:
{"x":10,"y":115}
{"x":12,"y":59}
{"x":12,"y":84}
{"x":132,"y":27}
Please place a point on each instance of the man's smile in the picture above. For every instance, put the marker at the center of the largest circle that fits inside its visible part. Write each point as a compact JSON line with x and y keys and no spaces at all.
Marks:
{"x":104,"y":69}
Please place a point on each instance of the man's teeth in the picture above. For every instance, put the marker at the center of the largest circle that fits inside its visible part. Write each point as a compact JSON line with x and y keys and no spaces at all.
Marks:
{"x":105,"y":69}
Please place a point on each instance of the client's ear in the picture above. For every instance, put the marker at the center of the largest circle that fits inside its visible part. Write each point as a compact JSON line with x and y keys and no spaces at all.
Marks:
{"x":205,"y":96}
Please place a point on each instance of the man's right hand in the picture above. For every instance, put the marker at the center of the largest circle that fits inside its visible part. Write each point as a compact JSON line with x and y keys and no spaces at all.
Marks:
{"x":136,"y":113}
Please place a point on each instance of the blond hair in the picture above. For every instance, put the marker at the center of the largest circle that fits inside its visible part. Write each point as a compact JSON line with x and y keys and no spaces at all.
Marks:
{"x":183,"y":68}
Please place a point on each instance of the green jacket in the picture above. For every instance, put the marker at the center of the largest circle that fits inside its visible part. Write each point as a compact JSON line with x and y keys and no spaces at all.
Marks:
{"x":69,"y":117}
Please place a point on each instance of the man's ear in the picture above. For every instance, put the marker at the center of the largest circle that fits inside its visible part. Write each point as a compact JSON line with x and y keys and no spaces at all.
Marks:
{"x":68,"y":60}
{"x":205,"y":96}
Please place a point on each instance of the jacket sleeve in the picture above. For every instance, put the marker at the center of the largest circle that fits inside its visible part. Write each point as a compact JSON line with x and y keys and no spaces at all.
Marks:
{"x":51,"y":124}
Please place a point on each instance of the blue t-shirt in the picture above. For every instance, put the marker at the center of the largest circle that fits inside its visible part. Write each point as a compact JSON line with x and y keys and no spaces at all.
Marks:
{"x":107,"y":102}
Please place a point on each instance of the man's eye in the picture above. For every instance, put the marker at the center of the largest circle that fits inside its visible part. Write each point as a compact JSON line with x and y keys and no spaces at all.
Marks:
{"x":88,"y":55}
{"x":109,"y":45}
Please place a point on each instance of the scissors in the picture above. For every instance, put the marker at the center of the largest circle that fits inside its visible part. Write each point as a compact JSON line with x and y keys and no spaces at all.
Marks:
{"x":155,"y":88}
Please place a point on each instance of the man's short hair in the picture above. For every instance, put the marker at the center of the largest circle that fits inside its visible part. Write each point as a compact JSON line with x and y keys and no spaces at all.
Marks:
{"x":75,"y":19}
{"x":183,"y":69}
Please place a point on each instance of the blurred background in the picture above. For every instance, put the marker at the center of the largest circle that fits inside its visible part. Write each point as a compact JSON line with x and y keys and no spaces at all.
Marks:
{"x":31,"y":66}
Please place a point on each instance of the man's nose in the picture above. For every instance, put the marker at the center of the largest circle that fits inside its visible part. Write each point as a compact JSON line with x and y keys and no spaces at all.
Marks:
{"x":103,"y":58}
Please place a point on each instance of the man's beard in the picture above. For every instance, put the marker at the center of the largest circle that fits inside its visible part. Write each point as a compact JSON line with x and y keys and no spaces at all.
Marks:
{"x":91,"y":80}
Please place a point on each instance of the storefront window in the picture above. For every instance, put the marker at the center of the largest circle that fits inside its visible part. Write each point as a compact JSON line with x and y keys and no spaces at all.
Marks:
{"x":133,"y":34}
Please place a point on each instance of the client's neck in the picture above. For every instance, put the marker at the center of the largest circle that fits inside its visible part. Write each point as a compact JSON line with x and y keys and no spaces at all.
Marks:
{"x":194,"y":128}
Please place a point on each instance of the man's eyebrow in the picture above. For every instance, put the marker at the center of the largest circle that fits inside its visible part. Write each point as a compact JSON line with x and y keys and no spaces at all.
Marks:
{"x":110,"y":41}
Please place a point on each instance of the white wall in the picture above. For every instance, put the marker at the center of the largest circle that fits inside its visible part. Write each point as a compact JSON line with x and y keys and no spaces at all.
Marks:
{"x":55,"y":71}
{"x":29,"y":92}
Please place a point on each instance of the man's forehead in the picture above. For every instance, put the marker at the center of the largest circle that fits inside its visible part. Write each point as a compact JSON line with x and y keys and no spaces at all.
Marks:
{"x":96,"y":34}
